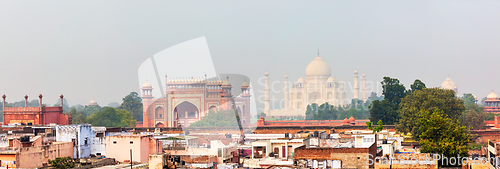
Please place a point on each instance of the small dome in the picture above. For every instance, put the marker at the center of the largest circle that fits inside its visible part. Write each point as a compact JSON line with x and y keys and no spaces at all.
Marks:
{"x":318,"y":67}
{"x":245,"y":84}
{"x":301,"y":80}
{"x":352,"y":120}
{"x":448,"y":84}
{"x":92,"y":103}
{"x":492,"y":96}
{"x":146,"y":85}
{"x":356,"y":71}
{"x":330,"y":80}
{"x":267,"y":74}
{"x":226,"y":82}
{"x":346,"y":120}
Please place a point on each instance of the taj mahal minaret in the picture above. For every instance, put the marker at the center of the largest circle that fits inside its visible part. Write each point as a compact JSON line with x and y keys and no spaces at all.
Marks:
{"x":363,"y":88}
{"x":356,"y":86}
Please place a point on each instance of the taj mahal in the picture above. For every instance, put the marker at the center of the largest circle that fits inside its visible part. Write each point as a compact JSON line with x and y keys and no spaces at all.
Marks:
{"x":317,"y":87}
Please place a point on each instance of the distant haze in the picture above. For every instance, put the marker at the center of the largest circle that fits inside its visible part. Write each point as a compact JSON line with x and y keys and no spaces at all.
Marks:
{"x":92,"y":49}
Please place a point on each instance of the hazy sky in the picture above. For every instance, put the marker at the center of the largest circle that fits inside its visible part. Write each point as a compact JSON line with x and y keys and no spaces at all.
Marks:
{"x":92,"y":49}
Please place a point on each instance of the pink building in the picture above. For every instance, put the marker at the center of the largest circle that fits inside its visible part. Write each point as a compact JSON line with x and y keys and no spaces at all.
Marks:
{"x":142,"y":146}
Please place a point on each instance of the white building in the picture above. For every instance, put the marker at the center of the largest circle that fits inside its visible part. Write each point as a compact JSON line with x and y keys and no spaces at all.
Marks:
{"x":80,"y":134}
{"x":99,"y":141}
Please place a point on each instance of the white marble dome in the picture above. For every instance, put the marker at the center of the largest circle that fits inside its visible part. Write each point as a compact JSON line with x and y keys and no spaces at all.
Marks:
{"x":146,"y":85}
{"x":492,"y":95}
{"x":330,"y":80}
{"x":448,"y":84}
{"x":93,"y":102}
{"x":318,"y":67}
{"x":301,"y":80}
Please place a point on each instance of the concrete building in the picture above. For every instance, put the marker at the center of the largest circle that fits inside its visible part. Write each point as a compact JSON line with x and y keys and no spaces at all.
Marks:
{"x":338,"y":155}
{"x":81,"y":135}
{"x":34,"y":156}
{"x":493,"y":154}
{"x":142,"y":146}
{"x":99,"y":141}
{"x":159,"y":161}
{"x":221,"y":152}
{"x":41,"y":115}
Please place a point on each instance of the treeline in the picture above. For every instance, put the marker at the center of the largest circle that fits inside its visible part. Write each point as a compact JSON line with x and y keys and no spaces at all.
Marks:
{"x":125,"y":115}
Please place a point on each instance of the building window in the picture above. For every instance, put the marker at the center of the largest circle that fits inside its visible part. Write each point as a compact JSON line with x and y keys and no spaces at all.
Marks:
{"x":114,"y":142}
{"x":131,"y":142}
{"x":86,"y":141}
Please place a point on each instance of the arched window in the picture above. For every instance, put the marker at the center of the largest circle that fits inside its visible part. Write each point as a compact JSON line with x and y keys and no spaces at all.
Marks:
{"x":191,"y":114}
{"x":299,"y":105}
{"x":159,"y":112}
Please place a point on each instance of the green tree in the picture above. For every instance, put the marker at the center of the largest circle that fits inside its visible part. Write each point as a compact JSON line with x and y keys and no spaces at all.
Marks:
{"x":468,"y":99}
{"x":311,"y":110}
{"x":90,"y":110}
{"x":111,"y":117}
{"x":427,"y":99}
{"x":474,"y":119}
{"x":383,"y":110}
{"x":417,"y":85}
{"x":392,"y":90}
{"x":375,"y":129}
{"x":386,"y":110}
{"x":442,"y":135}
{"x":326,"y":112}
{"x":474,"y":115}
{"x":78,"y":117}
{"x":219,"y":118}
{"x":62,"y":163}
{"x":133,"y":104}
{"x":262,"y":114}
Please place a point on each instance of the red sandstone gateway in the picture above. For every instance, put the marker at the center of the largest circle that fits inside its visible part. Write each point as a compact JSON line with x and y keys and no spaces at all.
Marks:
{"x":35,"y":115}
